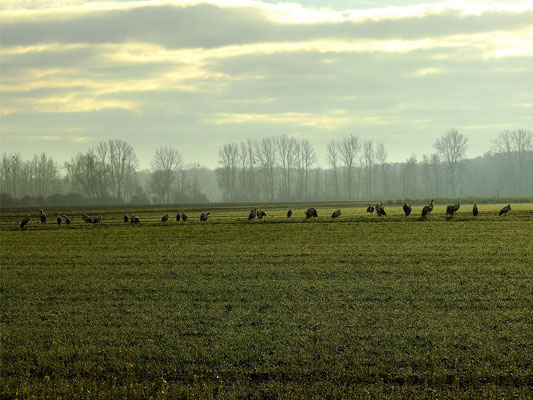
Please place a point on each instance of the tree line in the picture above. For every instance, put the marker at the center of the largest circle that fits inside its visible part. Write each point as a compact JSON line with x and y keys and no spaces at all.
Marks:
{"x":105,"y":174}
{"x":284,"y":168}
{"x":281,"y":168}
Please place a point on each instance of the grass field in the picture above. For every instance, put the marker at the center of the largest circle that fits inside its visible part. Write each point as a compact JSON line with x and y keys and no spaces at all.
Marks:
{"x":355,"y":307}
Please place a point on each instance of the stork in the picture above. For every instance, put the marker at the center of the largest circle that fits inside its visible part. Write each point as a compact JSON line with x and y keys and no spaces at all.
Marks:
{"x":427,"y":209}
{"x":289,"y":213}
{"x":25,"y":221}
{"x":407,"y":209}
{"x":475,"y":211}
{"x":43,"y":217}
{"x":336,"y":214}
{"x":505,"y":209}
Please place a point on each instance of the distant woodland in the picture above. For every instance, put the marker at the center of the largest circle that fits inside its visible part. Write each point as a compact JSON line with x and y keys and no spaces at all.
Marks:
{"x":272,"y":169}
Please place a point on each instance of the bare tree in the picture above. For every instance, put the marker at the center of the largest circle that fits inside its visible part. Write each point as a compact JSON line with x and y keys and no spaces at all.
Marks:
{"x":251,"y":162}
{"x":370,"y":159}
{"x":452,"y":149}
{"x":307,"y":157}
{"x":243,"y":160}
{"x":514,"y":145}
{"x":228,"y":160}
{"x":267,"y":159}
{"x":333,"y":161}
{"x":349,"y":147}
{"x":122,"y":166}
{"x":381,"y":156}
{"x":167,"y":162}
{"x":288,"y":152}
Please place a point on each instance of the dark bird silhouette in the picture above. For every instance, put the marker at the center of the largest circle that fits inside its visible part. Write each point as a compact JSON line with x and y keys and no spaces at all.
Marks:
{"x":184,"y":217}
{"x":505,"y":209}
{"x":370,"y":209}
{"x":86,"y":218}
{"x":261,"y":214}
{"x":311,"y":212}
{"x":165,"y":218}
{"x":380,"y":210}
{"x":427,"y":209}
{"x":97,"y":219}
{"x":407,"y":209}
{"x":203,"y":216}
{"x":134,"y":219}
{"x":67,"y":219}
{"x":336,"y":214}
{"x":252,"y":214}
{"x":475,"y":211}
{"x":126,"y":218}
{"x":452,"y":208}
{"x":289,"y":213}
{"x":178,"y":216}
{"x":43,"y":217}
{"x":25,"y":221}
{"x":59,"y":220}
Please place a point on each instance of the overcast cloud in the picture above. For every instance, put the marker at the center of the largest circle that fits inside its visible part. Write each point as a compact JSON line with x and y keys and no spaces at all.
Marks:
{"x":196,"y":75}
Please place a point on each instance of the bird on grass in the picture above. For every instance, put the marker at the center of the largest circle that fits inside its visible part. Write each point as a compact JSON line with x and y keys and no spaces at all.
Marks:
{"x":380,"y":210}
{"x":475,"y":211}
{"x":134,"y":219}
{"x":261,"y":214}
{"x":370,"y":209}
{"x":165,"y":218}
{"x":505,"y":209}
{"x":59,"y":220}
{"x":427,"y":209}
{"x":126,"y":218}
{"x":86,"y":218}
{"x":336,"y":214}
{"x":289,"y":213}
{"x":97,"y":219}
{"x":203,"y":216}
{"x":407,"y":209}
{"x":451,"y":209}
{"x":178,"y":217}
{"x":67,"y":219}
{"x":252,"y":214}
{"x":311,"y":212}
{"x":43,"y":217}
{"x":184,"y":217}
{"x":25,"y":221}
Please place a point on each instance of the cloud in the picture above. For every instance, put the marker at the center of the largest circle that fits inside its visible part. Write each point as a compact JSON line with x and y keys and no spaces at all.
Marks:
{"x":194,"y":74}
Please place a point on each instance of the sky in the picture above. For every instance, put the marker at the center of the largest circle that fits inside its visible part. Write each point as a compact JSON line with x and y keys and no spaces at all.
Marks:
{"x":198,"y":74}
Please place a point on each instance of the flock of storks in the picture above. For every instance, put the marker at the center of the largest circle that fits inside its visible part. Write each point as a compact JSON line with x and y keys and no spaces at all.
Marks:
{"x":451,"y":209}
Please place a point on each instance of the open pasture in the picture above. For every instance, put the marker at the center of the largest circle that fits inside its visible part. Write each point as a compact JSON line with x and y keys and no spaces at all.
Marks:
{"x":230,"y":308}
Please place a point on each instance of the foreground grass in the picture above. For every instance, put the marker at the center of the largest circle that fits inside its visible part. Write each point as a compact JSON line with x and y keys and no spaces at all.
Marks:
{"x":354,"y":307}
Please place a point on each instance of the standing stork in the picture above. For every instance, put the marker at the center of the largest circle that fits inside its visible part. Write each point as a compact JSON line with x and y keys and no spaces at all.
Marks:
{"x":380,"y":210}
{"x":407,"y":209}
{"x":25,"y":221}
{"x":203,"y":216}
{"x":370,"y":209}
{"x":59,"y":219}
{"x":475,"y":211}
{"x":178,"y":216}
{"x":43,"y":217}
{"x":505,"y":209}
{"x":453,"y":208}
{"x":126,"y":218}
{"x":336,"y":214}
{"x":165,"y":218}
{"x":67,"y":219}
{"x":184,"y":217}
{"x":289,"y":213}
{"x":252,"y":214}
{"x":427,"y":209}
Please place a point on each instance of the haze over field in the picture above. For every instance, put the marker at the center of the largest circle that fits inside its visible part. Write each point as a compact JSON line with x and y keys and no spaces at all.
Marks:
{"x":196,"y":75}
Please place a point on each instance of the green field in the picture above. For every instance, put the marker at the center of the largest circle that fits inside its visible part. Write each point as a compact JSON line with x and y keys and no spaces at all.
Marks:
{"x":355,"y":307}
